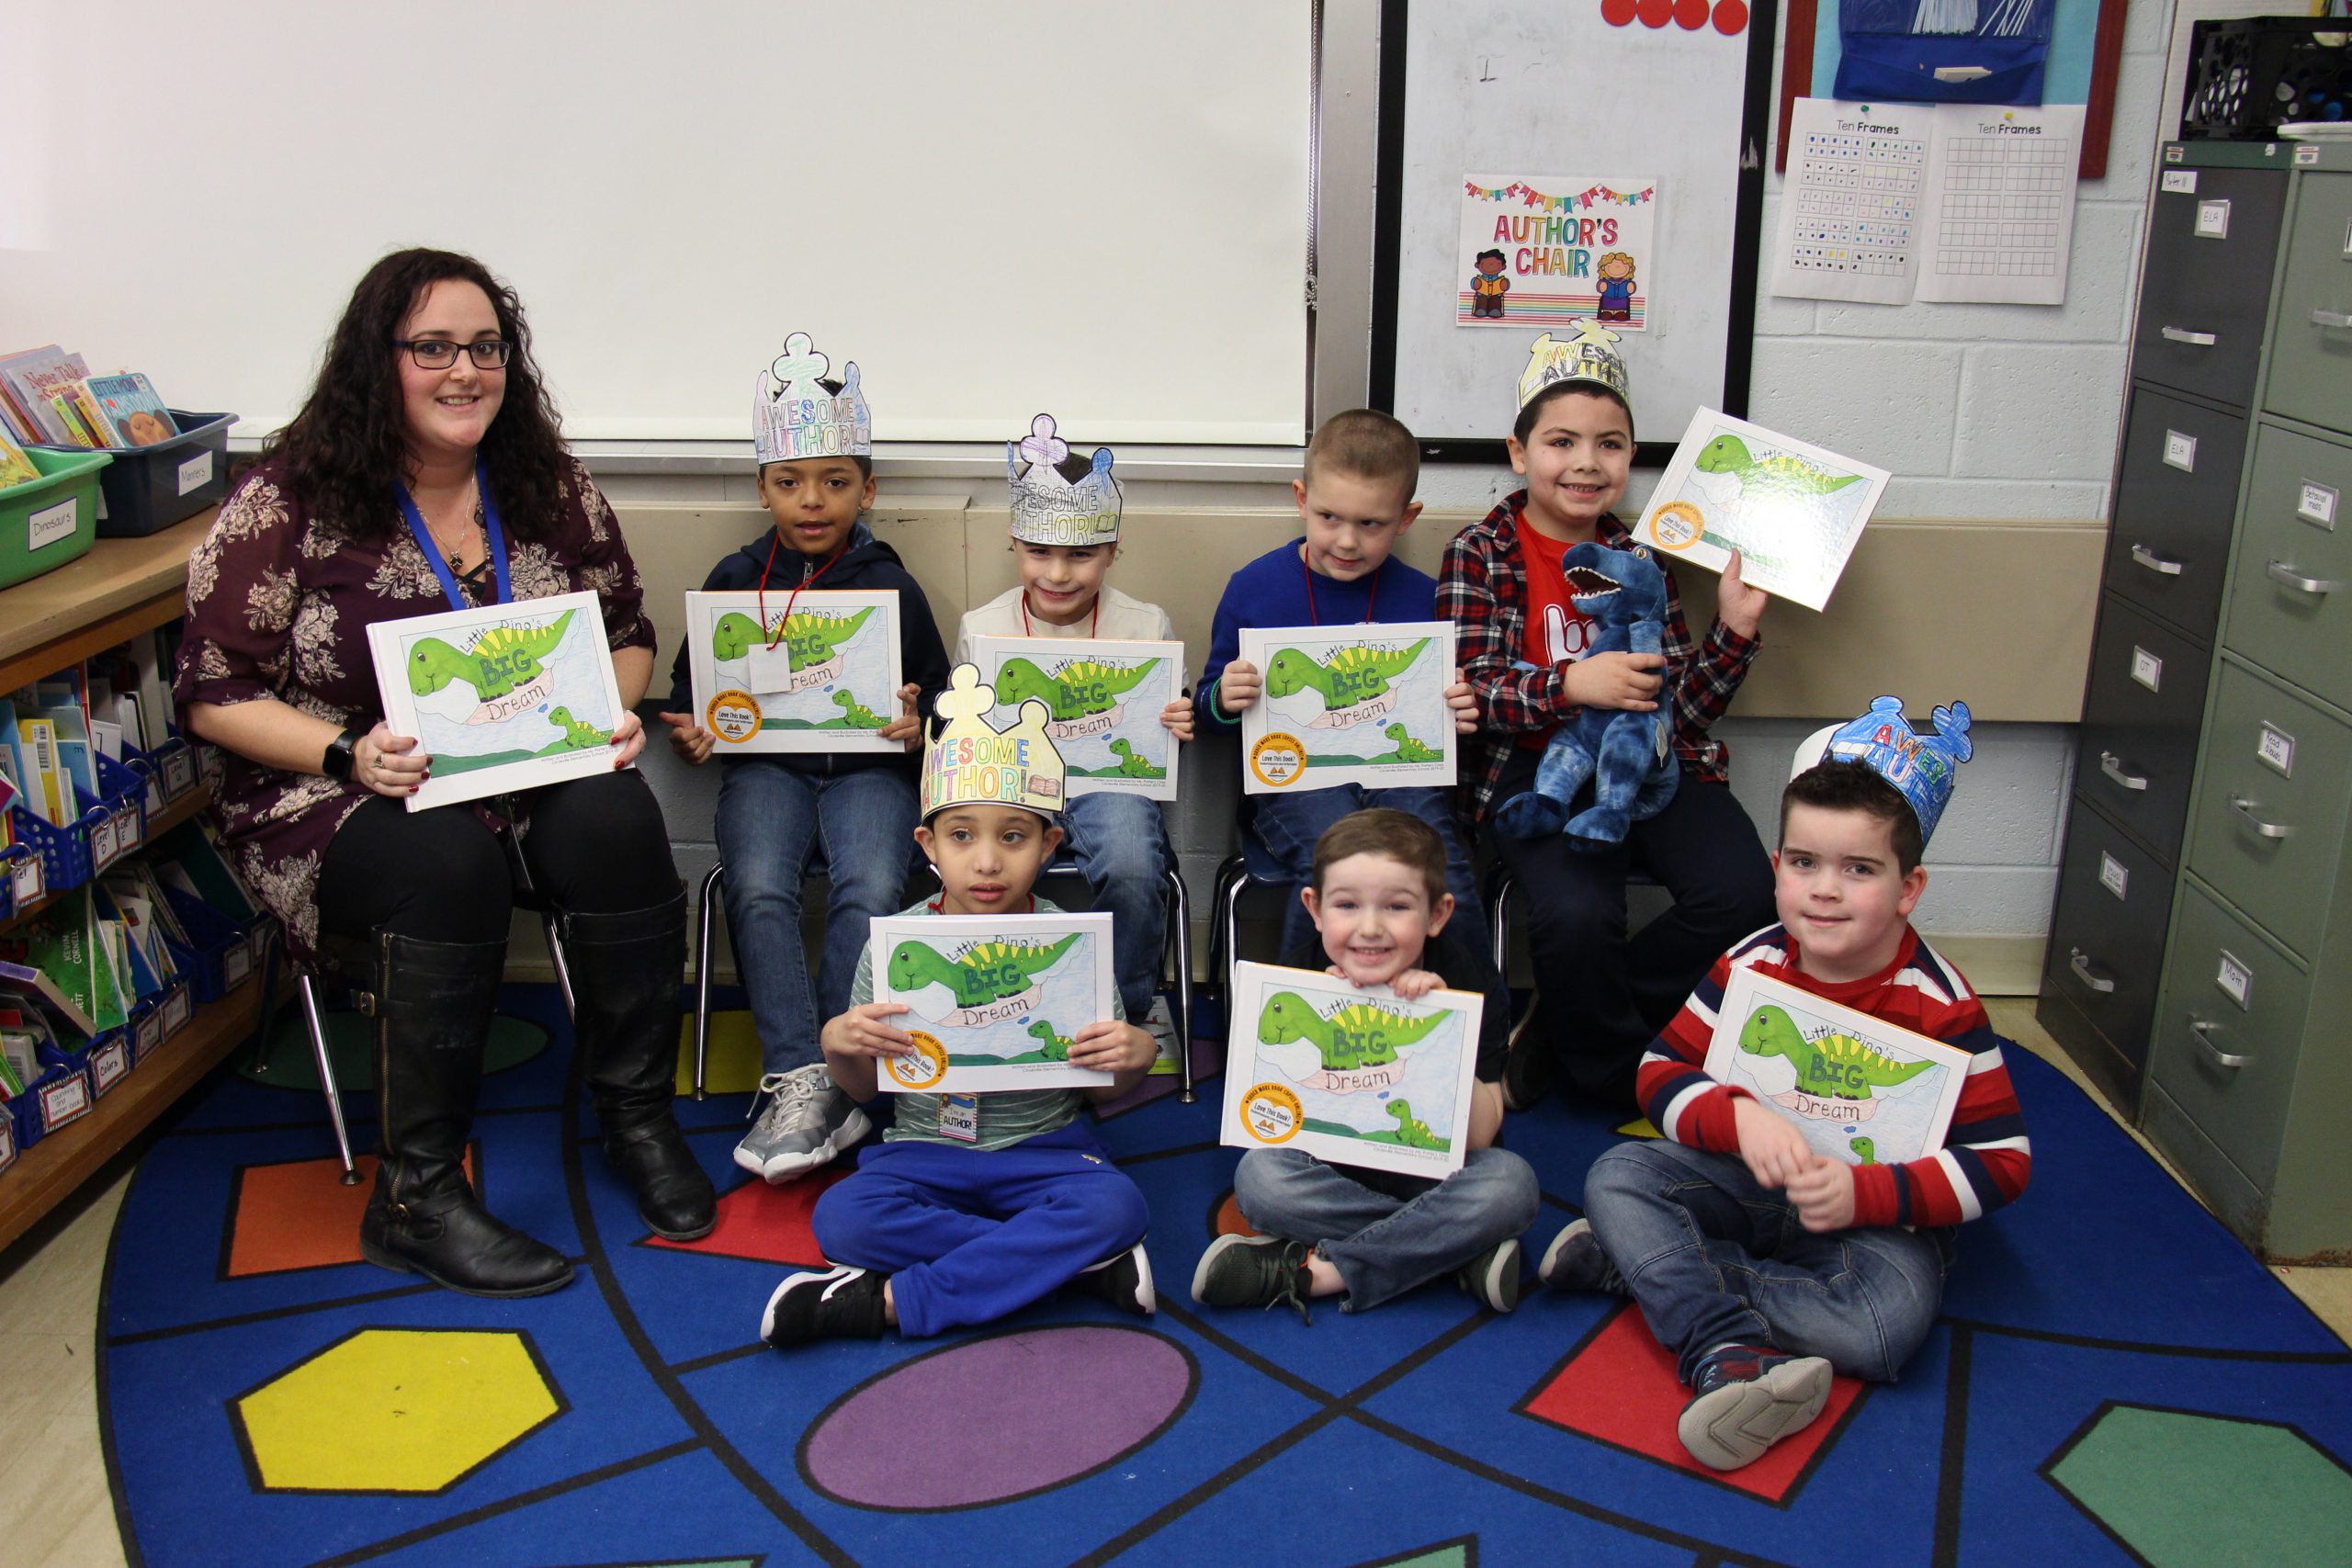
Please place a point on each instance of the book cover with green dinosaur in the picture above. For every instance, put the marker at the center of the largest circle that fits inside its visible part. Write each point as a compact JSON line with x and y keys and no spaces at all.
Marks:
{"x":1105,"y":697}
{"x":1362,"y":704}
{"x":505,"y":697}
{"x":785,"y":671}
{"x":1792,"y":509}
{"x":994,"y":1001}
{"x":1863,"y":1090}
{"x":1353,"y":1077}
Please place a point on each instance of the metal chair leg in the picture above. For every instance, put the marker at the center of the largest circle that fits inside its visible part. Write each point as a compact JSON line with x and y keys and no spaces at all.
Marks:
{"x":316,"y":1022}
{"x":702,"y":976}
{"x":1498,"y":918}
{"x":1180,"y":921}
{"x":1234,"y":883}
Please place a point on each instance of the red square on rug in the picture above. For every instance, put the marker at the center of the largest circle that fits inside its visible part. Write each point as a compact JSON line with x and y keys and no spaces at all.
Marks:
{"x":298,"y":1214}
{"x":1619,"y":1388}
{"x":764,"y":1223}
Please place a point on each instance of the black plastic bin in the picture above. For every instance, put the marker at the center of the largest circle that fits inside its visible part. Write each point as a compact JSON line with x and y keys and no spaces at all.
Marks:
{"x":147,"y":487}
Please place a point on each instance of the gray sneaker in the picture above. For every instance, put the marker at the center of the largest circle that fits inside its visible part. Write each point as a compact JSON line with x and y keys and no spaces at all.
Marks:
{"x":807,"y":1121}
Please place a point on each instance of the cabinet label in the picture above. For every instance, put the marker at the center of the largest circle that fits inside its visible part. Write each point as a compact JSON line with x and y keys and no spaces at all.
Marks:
{"x":7,"y":1142}
{"x":27,"y":878}
{"x":2307,"y":155}
{"x":149,"y":1034}
{"x":2236,"y":980}
{"x":2275,"y":748}
{"x":51,"y":523}
{"x":2113,"y":874}
{"x":179,"y":771}
{"x":2147,"y":669}
{"x":2181,"y":180}
{"x":2173,"y":153}
{"x":104,"y":846}
{"x":235,"y":965}
{"x":177,"y":1009}
{"x":63,"y":1101}
{"x":2180,"y":451}
{"x":108,"y":1063}
{"x":195,"y":471}
{"x":2213,"y":220}
{"x":2316,"y":504}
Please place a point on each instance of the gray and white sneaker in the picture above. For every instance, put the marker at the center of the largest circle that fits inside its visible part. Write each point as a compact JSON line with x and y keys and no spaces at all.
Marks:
{"x":807,"y":1121}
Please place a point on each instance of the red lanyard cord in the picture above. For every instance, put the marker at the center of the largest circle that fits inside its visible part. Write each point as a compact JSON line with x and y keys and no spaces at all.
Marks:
{"x":1370,"y":596}
{"x":769,"y":565}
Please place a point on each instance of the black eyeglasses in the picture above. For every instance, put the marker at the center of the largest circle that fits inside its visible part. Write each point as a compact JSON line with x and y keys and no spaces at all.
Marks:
{"x":439,"y":353}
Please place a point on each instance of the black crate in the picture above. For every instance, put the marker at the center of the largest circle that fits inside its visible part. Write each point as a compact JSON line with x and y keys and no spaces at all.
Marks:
{"x":2258,"y":73}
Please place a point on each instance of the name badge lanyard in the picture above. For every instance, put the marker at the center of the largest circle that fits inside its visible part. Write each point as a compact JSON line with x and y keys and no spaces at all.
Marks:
{"x":491,"y":526}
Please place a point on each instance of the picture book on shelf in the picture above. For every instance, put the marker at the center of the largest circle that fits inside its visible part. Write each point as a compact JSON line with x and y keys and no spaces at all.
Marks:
{"x":36,"y":379}
{"x":16,"y":469}
{"x":131,"y":412}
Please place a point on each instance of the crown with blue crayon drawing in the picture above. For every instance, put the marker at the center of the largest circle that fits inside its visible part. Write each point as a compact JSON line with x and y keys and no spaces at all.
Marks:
{"x":1922,"y":768}
{"x":1059,"y":498}
{"x":795,"y":415}
{"x":1590,"y":354}
{"x":969,"y":761}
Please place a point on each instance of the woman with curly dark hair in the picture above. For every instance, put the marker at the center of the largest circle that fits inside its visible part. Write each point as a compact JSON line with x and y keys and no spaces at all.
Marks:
{"x":425,"y":473}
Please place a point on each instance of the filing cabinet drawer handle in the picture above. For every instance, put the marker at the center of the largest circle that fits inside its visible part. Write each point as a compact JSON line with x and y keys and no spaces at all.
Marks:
{"x":2199,"y":1029}
{"x":2080,"y":962}
{"x":2244,"y":808}
{"x":2195,"y":340}
{"x":2332,"y":318}
{"x":2282,"y":572}
{"x":2112,"y":766}
{"x":2162,"y":566}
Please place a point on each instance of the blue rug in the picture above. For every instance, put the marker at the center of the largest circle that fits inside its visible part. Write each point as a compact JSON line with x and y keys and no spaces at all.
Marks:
{"x":2116,"y":1380}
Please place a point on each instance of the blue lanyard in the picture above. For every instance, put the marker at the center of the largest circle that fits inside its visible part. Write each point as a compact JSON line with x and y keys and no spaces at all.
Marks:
{"x":491,"y":525}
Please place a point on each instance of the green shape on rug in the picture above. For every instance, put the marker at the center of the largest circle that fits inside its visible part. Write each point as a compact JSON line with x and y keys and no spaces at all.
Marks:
{"x":351,"y":1047}
{"x":1460,"y":1552}
{"x":2183,"y":1489}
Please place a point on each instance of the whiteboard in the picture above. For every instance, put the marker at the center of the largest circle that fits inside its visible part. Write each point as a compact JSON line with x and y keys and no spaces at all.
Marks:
{"x":1099,"y":210}
{"x":1534,"y":88}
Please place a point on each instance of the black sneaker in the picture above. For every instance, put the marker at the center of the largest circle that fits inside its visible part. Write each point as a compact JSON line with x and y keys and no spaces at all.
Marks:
{"x":1253,"y":1270}
{"x":1492,"y":1277}
{"x":1574,"y":1261}
{"x":1748,"y":1398}
{"x":826,"y":1303}
{"x":1125,"y":1282}
{"x":1529,"y":1068}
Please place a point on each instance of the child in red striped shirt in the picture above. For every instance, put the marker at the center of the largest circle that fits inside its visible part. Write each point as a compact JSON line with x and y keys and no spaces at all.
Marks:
{"x":1762,"y":1265}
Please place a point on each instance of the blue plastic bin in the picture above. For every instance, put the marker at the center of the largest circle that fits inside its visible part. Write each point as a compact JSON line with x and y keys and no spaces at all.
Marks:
{"x":148,"y":488}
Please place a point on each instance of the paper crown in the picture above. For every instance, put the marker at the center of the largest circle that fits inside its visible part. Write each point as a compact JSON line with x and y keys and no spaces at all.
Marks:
{"x":1590,"y":355}
{"x":969,"y":761}
{"x":793,"y":416}
{"x":1922,"y":768}
{"x":1049,"y":506}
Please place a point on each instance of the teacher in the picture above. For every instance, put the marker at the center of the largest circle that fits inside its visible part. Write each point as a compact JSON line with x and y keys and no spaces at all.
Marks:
{"x":425,"y":474}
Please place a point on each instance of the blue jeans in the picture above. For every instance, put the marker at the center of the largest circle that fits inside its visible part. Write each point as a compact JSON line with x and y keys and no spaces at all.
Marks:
{"x":1714,"y":1258}
{"x":1288,"y":825}
{"x":1383,"y":1244}
{"x":774,"y":828}
{"x":1121,"y":847}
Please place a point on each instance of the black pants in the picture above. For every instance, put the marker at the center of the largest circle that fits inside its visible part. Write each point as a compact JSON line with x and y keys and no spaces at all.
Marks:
{"x":1604,"y":995}
{"x":596,"y":846}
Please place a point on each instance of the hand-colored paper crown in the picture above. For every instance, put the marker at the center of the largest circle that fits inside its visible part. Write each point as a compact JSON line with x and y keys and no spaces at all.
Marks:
{"x":793,"y":416}
{"x":969,"y":761}
{"x":1922,"y":768}
{"x":1590,"y":355}
{"x":1049,"y":506}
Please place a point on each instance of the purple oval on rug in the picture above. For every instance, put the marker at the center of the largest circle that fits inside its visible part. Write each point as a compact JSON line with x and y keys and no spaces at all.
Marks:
{"x":997,"y":1418}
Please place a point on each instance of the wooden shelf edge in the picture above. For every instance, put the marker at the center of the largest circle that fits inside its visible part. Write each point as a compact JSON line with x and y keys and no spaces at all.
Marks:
{"x":50,"y":1171}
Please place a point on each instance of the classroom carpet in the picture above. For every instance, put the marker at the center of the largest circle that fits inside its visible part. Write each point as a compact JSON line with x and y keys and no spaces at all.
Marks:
{"x":2115,"y":1380}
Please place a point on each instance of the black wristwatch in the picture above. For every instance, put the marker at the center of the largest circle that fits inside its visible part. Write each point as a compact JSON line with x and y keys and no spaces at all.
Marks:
{"x":342,"y":752}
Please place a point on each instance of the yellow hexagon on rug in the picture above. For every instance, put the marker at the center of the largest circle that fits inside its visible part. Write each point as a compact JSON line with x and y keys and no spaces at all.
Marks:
{"x":394,"y":1410}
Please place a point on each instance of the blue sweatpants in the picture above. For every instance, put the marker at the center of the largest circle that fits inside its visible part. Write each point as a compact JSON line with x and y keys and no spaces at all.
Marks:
{"x":968,"y":1236}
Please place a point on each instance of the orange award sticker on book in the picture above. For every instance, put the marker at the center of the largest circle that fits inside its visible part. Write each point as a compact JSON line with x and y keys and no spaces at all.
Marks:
{"x":1271,"y":1112}
{"x":925,"y":1068}
{"x":1678,"y":525}
{"x":1278,"y":760}
{"x":734,"y":715}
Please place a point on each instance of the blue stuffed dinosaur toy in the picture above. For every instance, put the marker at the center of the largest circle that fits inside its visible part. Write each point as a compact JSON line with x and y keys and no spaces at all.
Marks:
{"x":1625,"y":753}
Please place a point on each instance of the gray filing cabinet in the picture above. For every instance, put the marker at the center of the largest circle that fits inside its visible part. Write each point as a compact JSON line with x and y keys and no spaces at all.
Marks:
{"x":2249,"y":1058}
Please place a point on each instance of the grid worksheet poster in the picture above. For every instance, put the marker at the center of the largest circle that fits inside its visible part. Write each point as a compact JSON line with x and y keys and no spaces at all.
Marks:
{"x":1888,"y":203}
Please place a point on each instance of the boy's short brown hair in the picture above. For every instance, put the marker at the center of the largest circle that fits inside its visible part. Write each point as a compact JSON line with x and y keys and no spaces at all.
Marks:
{"x":1382,"y":830}
{"x":1523,"y":428}
{"x":1369,"y":444}
{"x":1838,"y":785}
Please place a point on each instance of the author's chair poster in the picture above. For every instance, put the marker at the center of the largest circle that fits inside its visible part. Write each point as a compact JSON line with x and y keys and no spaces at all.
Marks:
{"x":1105,"y":697}
{"x":995,"y":1000}
{"x":815,"y":672}
{"x":504,"y":697}
{"x":1551,"y":250}
{"x":1361,"y":705}
{"x":1353,"y":1077}
{"x":1861,"y":1090}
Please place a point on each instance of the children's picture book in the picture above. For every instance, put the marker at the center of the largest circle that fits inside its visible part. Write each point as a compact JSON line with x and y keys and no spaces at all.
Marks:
{"x":1861,"y":1089}
{"x":1105,"y":697}
{"x":135,"y":416}
{"x":1348,"y":705}
{"x":16,"y":469}
{"x":36,"y":379}
{"x":1354,"y":1077}
{"x":504,"y":697}
{"x":815,"y":672}
{"x":1790,"y":509}
{"x":996,"y":999}
{"x":1554,"y":249}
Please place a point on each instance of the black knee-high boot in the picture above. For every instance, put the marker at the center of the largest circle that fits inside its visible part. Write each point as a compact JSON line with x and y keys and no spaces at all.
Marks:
{"x":433,"y":1002}
{"x":626,"y":970}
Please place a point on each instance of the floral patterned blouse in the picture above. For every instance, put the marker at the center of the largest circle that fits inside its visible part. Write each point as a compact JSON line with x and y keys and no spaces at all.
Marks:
{"x":278,"y":606}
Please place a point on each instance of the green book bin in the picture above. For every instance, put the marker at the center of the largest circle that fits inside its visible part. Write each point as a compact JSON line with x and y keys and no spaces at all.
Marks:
{"x":45,"y":523}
